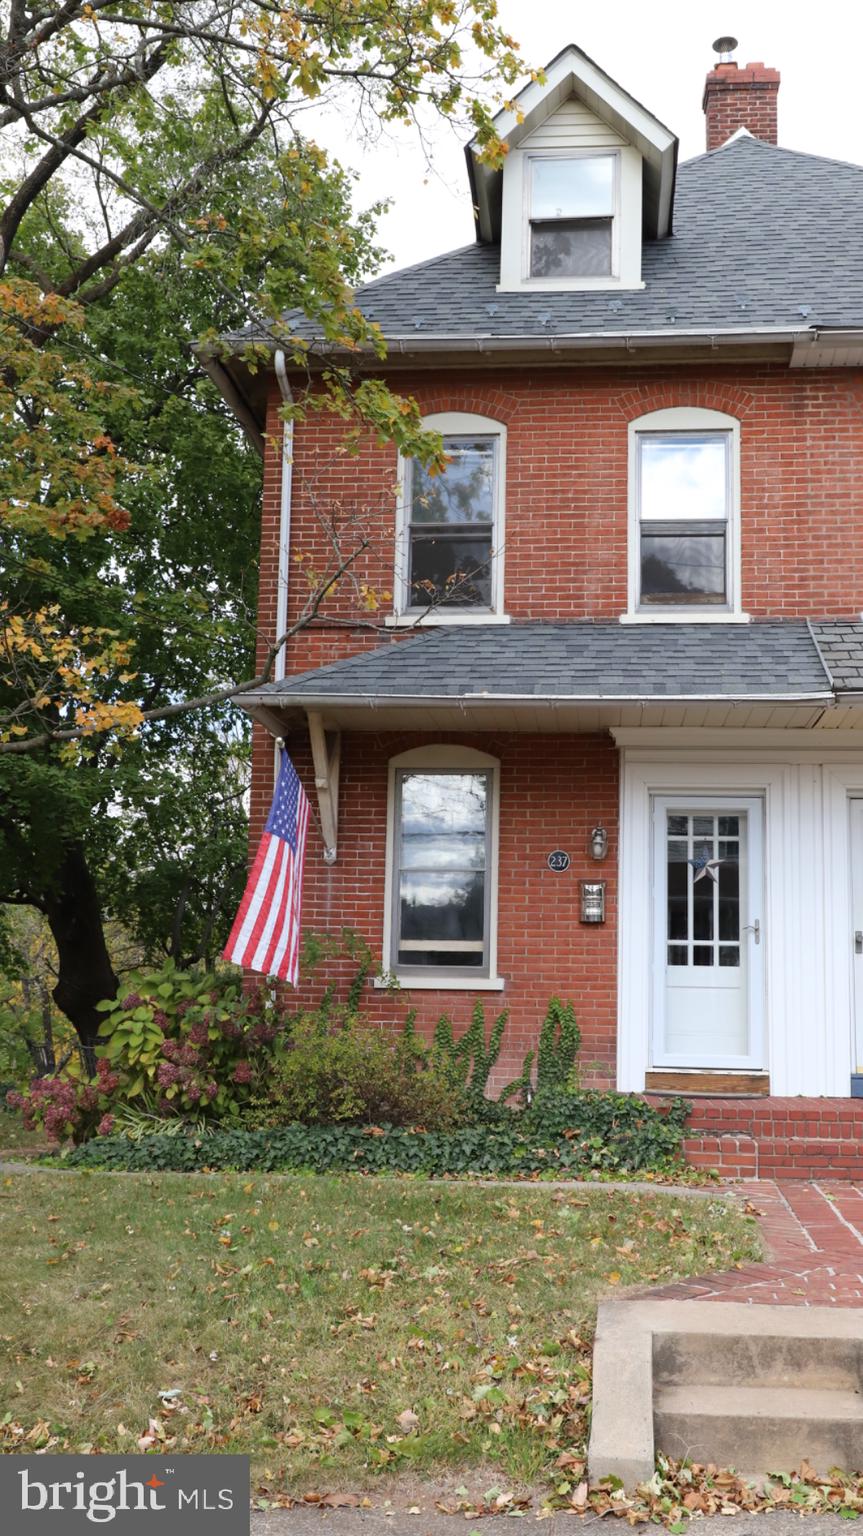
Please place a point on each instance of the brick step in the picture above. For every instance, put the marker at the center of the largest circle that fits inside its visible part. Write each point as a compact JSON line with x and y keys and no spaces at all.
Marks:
{"x":776,"y":1138}
{"x":760,"y":1429}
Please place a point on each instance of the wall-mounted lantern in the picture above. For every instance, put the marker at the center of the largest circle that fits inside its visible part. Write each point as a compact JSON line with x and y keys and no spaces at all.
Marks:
{"x":592,"y":901}
{"x":599,"y":842}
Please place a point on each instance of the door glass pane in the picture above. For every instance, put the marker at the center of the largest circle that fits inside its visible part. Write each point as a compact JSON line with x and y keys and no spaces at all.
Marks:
{"x":703,"y":887}
{"x":678,"y":890}
{"x":729,"y":892}
{"x":683,"y":476}
{"x":580,"y":188}
{"x":702,"y":907}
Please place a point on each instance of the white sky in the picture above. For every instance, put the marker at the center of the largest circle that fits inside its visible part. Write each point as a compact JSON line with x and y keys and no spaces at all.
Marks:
{"x":660,"y":53}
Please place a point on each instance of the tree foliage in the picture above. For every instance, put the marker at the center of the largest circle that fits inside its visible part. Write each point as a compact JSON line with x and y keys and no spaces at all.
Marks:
{"x":157,"y":188}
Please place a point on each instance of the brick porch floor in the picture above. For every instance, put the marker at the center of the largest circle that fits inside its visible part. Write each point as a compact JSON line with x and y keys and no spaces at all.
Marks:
{"x":814,"y":1238}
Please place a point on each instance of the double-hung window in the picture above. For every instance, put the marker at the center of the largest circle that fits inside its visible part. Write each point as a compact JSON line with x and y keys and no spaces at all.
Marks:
{"x":441,"y":867}
{"x":684,"y":542}
{"x":452,"y":523}
{"x":571,"y":211}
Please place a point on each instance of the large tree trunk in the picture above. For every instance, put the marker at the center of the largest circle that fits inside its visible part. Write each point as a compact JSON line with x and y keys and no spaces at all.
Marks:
{"x":86,"y":975}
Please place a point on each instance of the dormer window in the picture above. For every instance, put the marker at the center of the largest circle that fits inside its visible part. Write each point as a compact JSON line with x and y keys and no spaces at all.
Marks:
{"x":571,"y":215}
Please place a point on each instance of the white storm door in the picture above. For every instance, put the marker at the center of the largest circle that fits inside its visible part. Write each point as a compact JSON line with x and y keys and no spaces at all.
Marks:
{"x":708,"y":967}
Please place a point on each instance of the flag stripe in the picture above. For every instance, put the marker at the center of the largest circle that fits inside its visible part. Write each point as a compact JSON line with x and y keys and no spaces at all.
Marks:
{"x":273,"y":909}
{"x":251,"y":902}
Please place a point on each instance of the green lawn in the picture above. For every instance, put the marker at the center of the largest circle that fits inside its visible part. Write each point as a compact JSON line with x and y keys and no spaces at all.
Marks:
{"x":15,"y":1141}
{"x":329,"y":1327}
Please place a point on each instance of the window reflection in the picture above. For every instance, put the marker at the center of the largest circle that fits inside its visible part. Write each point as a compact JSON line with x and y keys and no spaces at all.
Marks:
{"x":443,"y":836}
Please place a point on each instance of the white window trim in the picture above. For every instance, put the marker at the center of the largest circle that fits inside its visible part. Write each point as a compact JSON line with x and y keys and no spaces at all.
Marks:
{"x":451,"y":424}
{"x":454,"y":759}
{"x":604,"y":278}
{"x":685,"y":419}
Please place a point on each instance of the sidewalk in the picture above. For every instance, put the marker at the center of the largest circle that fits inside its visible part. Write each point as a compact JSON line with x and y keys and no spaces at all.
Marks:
{"x":814,"y":1238}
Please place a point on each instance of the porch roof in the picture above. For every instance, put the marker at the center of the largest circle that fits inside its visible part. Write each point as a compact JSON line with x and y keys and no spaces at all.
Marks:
{"x":566,"y":664}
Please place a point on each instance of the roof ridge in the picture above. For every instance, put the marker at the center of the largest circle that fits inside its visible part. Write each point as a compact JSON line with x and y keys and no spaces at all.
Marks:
{"x":751,"y":140}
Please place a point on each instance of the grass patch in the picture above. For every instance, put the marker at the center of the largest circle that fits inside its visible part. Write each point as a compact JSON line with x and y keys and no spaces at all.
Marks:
{"x":15,"y":1141}
{"x":332,"y":1327}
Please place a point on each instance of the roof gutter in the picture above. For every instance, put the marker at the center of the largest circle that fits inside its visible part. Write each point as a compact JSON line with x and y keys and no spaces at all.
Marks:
{"x":630,"y":340}
{"x":280,"y":699}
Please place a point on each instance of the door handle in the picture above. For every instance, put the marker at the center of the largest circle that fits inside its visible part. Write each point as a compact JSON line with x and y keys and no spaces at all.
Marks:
{"x":755,"y":929}
{"x":858,"y":941}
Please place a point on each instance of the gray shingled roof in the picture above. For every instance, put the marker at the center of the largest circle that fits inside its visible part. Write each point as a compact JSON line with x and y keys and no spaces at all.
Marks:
{"x":841,"y":644}
{"x":763,"y":236}
{"x":590,"y":660}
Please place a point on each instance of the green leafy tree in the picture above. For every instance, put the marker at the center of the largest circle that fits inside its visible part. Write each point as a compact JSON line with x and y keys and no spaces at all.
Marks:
{"x":155,"y":189}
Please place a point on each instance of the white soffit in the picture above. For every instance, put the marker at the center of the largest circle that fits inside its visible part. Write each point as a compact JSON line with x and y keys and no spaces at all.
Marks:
{"x":572,"y":73}
{"x":828,"y":349}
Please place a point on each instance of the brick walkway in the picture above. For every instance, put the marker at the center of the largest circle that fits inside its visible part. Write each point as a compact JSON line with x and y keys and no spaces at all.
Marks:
{"x":814,"y":1238}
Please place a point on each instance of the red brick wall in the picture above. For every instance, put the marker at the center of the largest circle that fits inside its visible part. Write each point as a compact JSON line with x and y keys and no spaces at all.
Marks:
{"x":566,"y":551}
{"x":566,"y":496}
{"x":737,"y":97}
{"x":553,"y":791}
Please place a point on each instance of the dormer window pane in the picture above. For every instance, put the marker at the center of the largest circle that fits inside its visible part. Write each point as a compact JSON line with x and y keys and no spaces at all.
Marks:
{"x":582,"y":188}
{"x":571,"y":216}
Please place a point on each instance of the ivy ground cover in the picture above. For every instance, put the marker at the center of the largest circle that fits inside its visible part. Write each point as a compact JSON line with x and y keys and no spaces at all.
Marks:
{"x":333,"y":1328}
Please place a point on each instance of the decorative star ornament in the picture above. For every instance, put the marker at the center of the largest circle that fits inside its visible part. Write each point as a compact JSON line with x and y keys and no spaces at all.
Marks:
{"x":704,"y":865}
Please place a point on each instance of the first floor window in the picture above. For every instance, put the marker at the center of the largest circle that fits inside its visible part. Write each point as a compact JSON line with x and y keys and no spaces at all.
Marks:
{"x":441,"y":874}
{"x":683,"y":514}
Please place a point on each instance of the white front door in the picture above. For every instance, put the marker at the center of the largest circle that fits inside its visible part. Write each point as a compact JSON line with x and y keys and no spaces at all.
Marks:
{"x":708,"y":970}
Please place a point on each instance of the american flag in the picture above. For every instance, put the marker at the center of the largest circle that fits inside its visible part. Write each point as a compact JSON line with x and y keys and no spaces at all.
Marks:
{"x":266,"y":932}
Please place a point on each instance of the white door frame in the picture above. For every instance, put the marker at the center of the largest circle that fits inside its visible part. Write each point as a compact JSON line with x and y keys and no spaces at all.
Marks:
{"x":805,"y":778}
{"x":752,"y":936}
{"x":855,"y":898}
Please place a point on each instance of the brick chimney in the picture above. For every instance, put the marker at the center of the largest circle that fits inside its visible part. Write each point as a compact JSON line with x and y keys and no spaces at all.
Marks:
{"x":740,"y":96}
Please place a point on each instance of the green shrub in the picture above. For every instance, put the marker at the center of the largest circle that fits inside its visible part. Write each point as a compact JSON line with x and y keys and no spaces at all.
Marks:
{"x":335,"y":1068}
{"x":181,"y":1043}
{"x":188,"y":1042}
{"x":604,"y":1133}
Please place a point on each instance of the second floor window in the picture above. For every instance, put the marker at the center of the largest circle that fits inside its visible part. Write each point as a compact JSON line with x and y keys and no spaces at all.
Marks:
{"x":450,"y":547}
{"x":571,"y":215}
{"x":684,"y":514}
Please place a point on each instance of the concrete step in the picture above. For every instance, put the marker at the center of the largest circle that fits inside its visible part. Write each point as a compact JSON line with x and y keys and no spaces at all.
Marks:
{"x":760,"y":1429}
{"x":766,"y":1359}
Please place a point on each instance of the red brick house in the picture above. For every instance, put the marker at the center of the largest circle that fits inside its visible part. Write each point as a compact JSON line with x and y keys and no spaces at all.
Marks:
{"x":606,"y":740}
